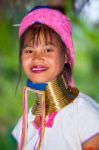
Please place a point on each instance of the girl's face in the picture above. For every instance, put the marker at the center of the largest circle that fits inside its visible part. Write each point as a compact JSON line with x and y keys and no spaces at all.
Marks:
{"x":42,"y":61}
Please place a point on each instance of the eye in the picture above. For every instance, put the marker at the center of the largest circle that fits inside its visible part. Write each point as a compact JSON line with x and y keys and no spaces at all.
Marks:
{"x":28,"y":51}
{"x":48,"y":50}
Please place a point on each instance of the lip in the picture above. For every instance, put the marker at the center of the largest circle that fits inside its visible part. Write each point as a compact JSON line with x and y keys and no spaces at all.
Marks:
{"x":38,"y":69}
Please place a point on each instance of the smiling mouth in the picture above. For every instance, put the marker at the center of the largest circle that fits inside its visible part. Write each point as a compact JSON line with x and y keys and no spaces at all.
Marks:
{"x":38,"y":69}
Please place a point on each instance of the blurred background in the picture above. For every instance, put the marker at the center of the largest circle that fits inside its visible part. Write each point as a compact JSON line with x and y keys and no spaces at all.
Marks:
{"x":84,"y":15}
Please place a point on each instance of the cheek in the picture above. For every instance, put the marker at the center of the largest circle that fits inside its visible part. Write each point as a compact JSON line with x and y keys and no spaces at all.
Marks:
{"x":58,"y":64}
{"x":60,"y":60}
{"x":24,"y":63}
{"x":25,"y":60}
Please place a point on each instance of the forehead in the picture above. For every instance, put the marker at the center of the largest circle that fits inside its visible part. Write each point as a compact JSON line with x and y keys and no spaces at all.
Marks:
{"x":40,"y":34}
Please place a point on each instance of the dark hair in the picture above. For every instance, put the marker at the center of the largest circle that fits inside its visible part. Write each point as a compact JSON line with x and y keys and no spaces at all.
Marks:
{"x":36,"y":29}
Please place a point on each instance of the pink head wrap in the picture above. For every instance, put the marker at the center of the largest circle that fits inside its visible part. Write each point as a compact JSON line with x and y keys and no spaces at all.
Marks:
{"x":55,"y":20}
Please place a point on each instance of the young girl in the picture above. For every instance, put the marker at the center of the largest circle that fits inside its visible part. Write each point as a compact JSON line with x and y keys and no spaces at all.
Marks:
{"x":62,"y":118}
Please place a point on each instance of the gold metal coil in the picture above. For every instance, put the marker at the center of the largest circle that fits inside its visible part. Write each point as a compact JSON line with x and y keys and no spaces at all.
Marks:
{"x":57,"y":96}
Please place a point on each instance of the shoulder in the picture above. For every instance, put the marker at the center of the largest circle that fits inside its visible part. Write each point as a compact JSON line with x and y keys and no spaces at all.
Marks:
{"x":85,"y":99}
{"x":87,"y":105}
{"x":83,"y":116}
{"x":81,"y":105}
{"x":88,"y":117}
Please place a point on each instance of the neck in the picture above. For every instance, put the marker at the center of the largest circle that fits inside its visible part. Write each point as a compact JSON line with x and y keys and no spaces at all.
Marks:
{"x":57,"y":95}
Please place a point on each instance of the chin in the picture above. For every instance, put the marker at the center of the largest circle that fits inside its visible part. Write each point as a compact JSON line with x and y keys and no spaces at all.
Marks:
{"x":39,"y":81}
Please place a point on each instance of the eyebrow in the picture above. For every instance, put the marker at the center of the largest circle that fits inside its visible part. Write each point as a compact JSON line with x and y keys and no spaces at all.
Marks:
{"x":50,"y":43}
{"x":26,"y":45}
{"x":46,"y":44}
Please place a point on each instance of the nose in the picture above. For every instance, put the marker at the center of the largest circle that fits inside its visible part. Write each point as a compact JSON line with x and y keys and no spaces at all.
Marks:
{"x":38,"y":57}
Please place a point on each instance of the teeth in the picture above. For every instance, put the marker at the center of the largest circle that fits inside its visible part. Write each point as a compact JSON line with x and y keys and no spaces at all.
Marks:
{"x":38,"y":69}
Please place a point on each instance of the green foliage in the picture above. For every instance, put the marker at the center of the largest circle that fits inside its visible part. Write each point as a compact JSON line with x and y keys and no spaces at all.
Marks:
{"x":86,"y":71}
{"x":9,"y":102}
{"x":7,"y":142}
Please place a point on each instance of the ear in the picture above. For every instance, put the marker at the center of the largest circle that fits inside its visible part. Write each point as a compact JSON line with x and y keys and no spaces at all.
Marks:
{"x":66,"y":58}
